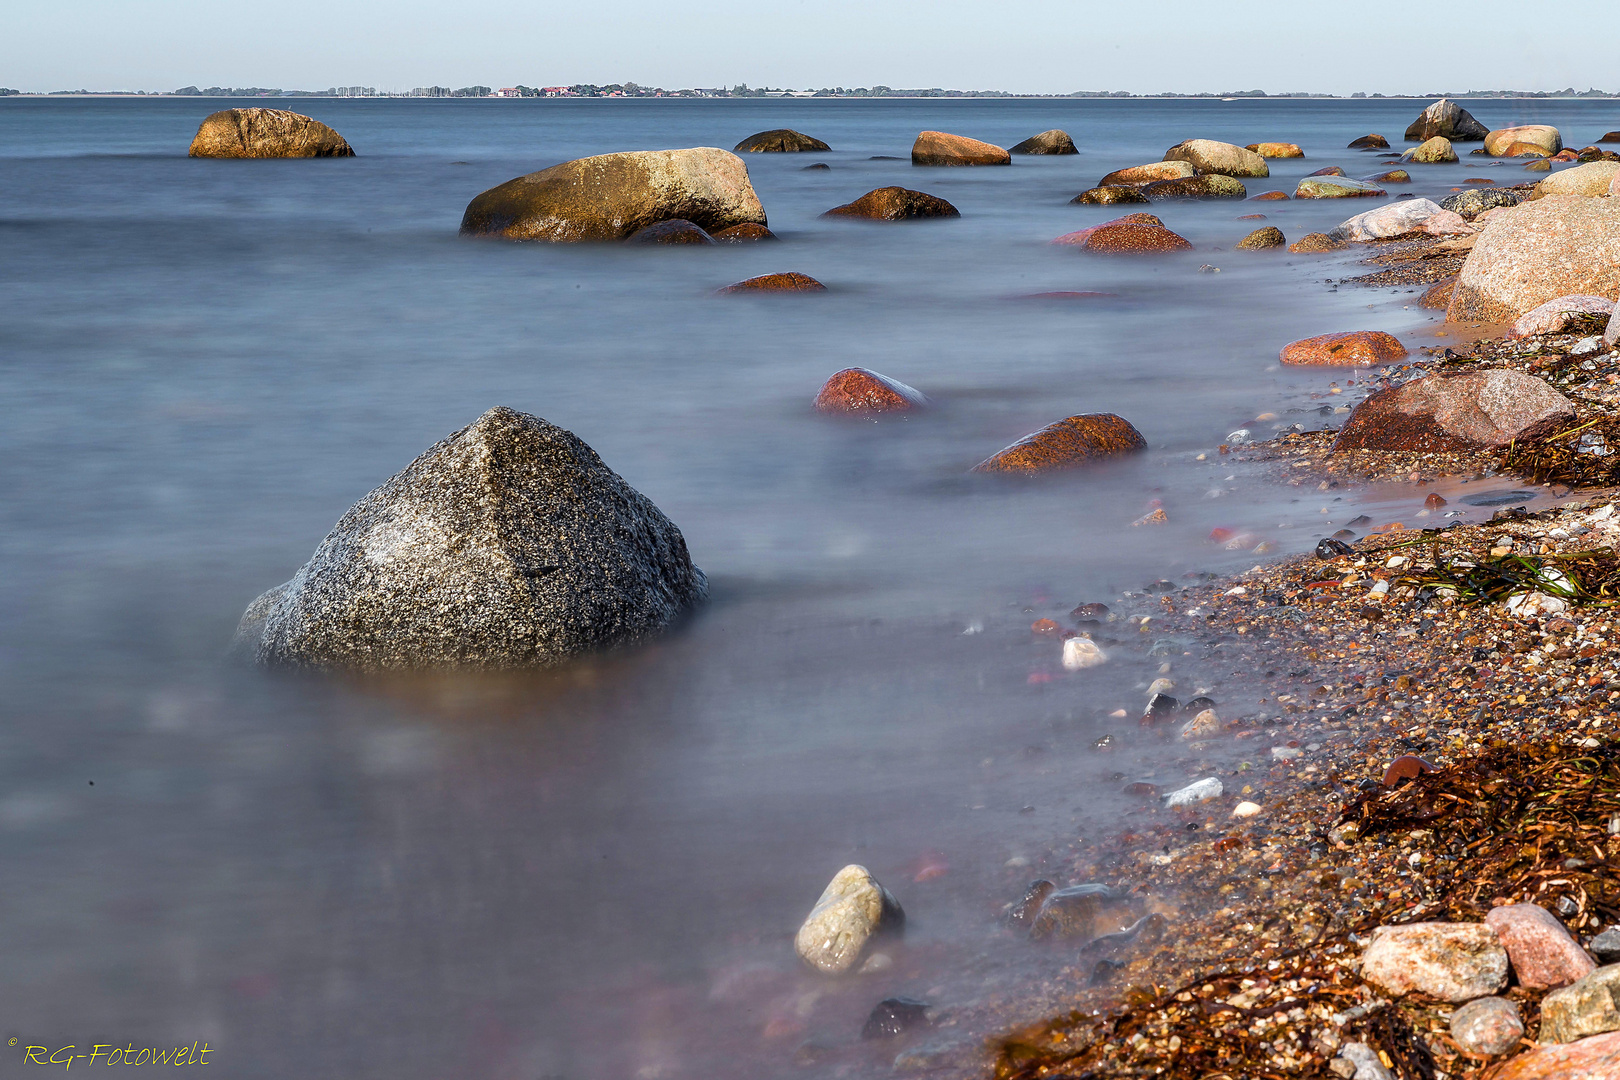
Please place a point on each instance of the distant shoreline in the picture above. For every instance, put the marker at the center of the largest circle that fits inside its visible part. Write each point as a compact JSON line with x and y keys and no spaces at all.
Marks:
{"x":945,"y":95}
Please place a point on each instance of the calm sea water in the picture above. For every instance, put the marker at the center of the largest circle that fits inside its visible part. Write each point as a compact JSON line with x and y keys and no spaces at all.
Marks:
{"x":595,"y":873}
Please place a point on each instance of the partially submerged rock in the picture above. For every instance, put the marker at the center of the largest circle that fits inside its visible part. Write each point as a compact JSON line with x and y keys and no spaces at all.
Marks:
{"x":1400,"y":218}
{"x":1211,"y":186}
{"x":1445,"y":119}
{"x":1079,"y":912}
{"x":507,"y":544}
{"x":1336,"y":187}
{"x":1359,"y":348}
{"x":1449,"y":961}
{"x":1267,"y":237}
{"x":1437,"y":151}
{"x":790,"y":281}
{"x":1456,"y":411}
{"x":1471,"y":203}
{"x":1137,"y":175}
{"x":895,"y":204}
{"x":266,"y":133}
{"x":1126,"y":238}
{"x":746,"y":233}
{"x":611,"y":196}
{"x":1557,"y":314}
{"x":1276,"y":150}
{"x":1369,"y":142}
{"x":1076,"y":440}
{"x":1312,"y":243}
{"x":1109,"y":195}
{"x":779,"y":141}
{"x":1047,"y":142}
{"x":852,"y":910}
{"x":1589,"y":180}
{"x":862,"y":392}
{"x":1543,"y":954}
{"x":1542,"y":138}
{"x":1269,"y":196}
{"x":943,"y":148}
{"x":1392,"y":176}
{"x":1561,"y":245}
{"x":675,"y":231}
{"x":1588,"y":1006}
{"x":1209,"y":156}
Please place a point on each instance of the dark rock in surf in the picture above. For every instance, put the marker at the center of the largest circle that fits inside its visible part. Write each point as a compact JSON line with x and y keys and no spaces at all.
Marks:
{"x":1047,"y":142}
{"x":677,"y":231}
{"x":1108,"y":195}
{"x":1447,"y":120}
{"x":779,"y":141}
{"x":1268,"y":237}
{"x":1369,"y":142}
{"x":746,"y":233}
{"x":895,"y":204}
{"x":266,"y":133}
{"x":860,"y":391}
{"x":508,"y":544}
{"x":893,"y":1017}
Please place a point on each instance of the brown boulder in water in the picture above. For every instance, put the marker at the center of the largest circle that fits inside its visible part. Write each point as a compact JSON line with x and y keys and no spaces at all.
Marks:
{"x":1447,"y":120}
{"x":943,"y":148}
{"x":863,"y":392}
{"x":1268,"y":237}
{"x":1076,"y":440}
{"x":895,"y":204}
{"x":1269,"y":196}
{"x":1125,"y":238}
{"x":1542,"y":138}
{"x":1358,"y":348}
{"x":746,"y":233}
{"x":1312,"y":243}
{"x":1110,"y":194}
{"x":1464,"y":411}
{"x":1211,"y":186}
{"x":790,"y":281}
{"x":1047,"y":142}
{"x":1369,"y":142}
{"x":1209,"y":156}
{"x":1137,"y":175}
{"x":779,"y":141}
{"x":611,"y":196}
{"x":674,"y":231}
{"x":266,"y":133}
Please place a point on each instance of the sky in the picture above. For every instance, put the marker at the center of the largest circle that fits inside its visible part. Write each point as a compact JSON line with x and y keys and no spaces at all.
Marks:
{"x":1027,"y":46}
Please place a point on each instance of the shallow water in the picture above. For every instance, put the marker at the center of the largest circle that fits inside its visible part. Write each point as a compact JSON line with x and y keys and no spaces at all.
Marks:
{"x":597,"y":872}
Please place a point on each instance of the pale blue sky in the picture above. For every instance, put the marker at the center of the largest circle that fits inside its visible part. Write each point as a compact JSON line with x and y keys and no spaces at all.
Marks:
{"x":1035,"y":46}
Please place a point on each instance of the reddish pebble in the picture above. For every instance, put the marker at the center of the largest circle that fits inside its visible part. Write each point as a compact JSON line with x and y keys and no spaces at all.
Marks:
{"x":1045,"y":627}
{"x":1543,"y":954}
{"x":1406,"y":767}
{"x":1268,"y":196}
{"x":1360,"y":348}
{"x":1434,"y":502}
{"x":863,"y":392}
{"x":1126,"y":238}
{"x":788,"y":282}
{"x":1228,"y":843}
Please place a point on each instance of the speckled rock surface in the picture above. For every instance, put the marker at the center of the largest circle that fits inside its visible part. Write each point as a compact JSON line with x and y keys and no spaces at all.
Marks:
{"x":1588,"y":1006}
{"x":1487,"y":1026}
{"x":674,"y":231}
{"x":1269,"y":196}
{"x":1555,"y":315}
{"x":507,"y":544}
{"x":1447,"y":119}
{"x":1145,"y":174}
{"x":1076,"y":440}
{"x":1543,"y":137}
{"x":943,"y":148}
{"x":746,"y":233}
{"x":611,"y":196}
{"x":851,"y":911}
{"x":1475,"y":201}
{"x":1313,"y":243}
{"x":1276,"y":150}
{"x":862,"y":392}
{"x":895,"y":204}
{"x":1462,"y":411}
{"x":1209,"y":156}
{"x":1541,"y":951}
{"x":266,"y":133}
{"x":1336,"y":187}
{"x":1436,"y":151}
{"x":1449,"y":961}
{"x":1397,"y":219}
{"x":1392,"y":176}
{"x":1047,"y":142}
{"x":1358,"y":348}
{"x":1211,"y":186}
{"x":1267,"y":237}
{"x":1328,"y":170}
{"x":790,"y":281}
{"x":1126,"y":238}
{"x":1560,"y":245}
{"x":1597,"y":1058}
{"x":1592,"y":179}
{"x":779,"y":141}
{"x":1109,"y":195}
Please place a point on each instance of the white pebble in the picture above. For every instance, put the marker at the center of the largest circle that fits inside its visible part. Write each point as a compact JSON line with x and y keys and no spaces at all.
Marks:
{"x":1202,"y":791}
{"x":1245,"y":809}
{"x":1080,"y":652}
{"x":1161,"y":686}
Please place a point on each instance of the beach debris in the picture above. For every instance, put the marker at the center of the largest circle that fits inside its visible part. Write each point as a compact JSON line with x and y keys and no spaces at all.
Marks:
{"x":1450,"y":961}
{"x":852,"y":911}
{"x":864,"y":392}
{"x":1540,"y":949}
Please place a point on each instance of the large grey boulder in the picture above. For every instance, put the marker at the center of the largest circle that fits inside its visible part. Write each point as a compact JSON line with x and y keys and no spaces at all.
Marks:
{"x":611,"y":196}
{"x":507,"y":544}
{"x":1447,"y":120}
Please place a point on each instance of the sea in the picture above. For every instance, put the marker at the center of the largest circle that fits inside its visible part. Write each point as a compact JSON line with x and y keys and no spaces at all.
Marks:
{"x":595,"y":873}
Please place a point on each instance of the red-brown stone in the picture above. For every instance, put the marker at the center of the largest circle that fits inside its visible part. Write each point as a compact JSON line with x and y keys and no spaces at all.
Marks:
{"x":1076,"y":440}
{"x":1369,"y":142}
{"x":790,"y":281}
{"x":1406,"y":767}
{"x":1465,"y":410}
{"x":895,"y":204}
{"x":1126,"y":238}
{"x":746,"y":233}
{"x":1595,"y":1058}
{"x":862,"y":392}
{"x":1268,"y":196}
{"x":1331,"y":170}
{"x":1543,"y":955}
{"x":943,"y":148}
{"x":673,"y":231}
{"x":1358,"y":348}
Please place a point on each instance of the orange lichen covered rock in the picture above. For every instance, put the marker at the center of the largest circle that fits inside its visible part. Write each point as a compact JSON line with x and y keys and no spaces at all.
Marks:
{"x":1074,"y":441}
{"x":862,"y":392}
{"x":1126,"y":238}
{"x":943,"y":148}
{"x":1358,"y":348}
{"x":1276,"y":149}
{"x":786,"y":282}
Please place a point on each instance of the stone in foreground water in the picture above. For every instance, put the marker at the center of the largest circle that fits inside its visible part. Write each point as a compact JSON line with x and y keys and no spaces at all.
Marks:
{"x":851,"y":911}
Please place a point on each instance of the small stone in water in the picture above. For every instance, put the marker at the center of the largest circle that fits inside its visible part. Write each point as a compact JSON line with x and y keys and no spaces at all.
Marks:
{"x":1193,"y":794}
{"x":1090,"y":611}
{"x":1245,"y":809}
{"x":1079,"y":653}
{"x":1161,"y":686}
{"x":894,"y":1017}
{"x":1158,"y":707}
{"x":1202,"y":726}
{"x":1105,"y":742}
{"x":1330,"y":548}
{"x":1198,"y":704}
{"x":1434,"y":501}
{"x":1103,"y":972}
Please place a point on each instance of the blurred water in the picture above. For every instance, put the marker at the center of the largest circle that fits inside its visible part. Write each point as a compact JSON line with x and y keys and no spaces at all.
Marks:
{"x":207,"y":362}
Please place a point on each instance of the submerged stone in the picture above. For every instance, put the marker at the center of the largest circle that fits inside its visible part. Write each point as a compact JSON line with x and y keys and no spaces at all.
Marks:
{"x":779,"y":141}
{"x":851,"y":911}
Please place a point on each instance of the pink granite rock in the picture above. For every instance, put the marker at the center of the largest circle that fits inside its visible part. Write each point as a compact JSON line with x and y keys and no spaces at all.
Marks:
{"x":1597,"y":1058}
{"x":1487,"y":1026}
{"x":1449,"y":961}
{"x":1555,"y":315}
{"x":1561,"y":245}
{"x":1543,"y":954}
